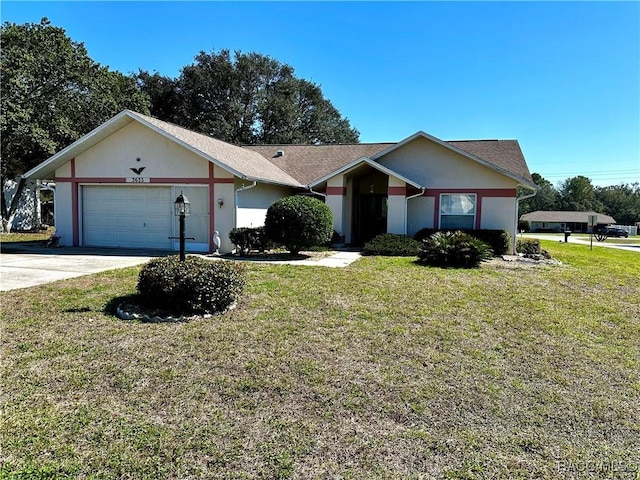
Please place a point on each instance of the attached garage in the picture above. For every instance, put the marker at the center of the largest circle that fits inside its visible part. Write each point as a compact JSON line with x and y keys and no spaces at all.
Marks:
{"x":127,"y":216}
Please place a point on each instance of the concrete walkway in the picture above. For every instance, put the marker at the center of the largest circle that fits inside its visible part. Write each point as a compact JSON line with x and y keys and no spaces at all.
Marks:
{"x":340,"y":259}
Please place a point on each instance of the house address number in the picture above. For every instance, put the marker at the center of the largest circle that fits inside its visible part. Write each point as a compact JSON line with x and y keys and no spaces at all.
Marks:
{"x":138,"y":180}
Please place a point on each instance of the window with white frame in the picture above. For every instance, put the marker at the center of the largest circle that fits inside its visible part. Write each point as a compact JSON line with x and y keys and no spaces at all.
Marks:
{"x":458,"y":210}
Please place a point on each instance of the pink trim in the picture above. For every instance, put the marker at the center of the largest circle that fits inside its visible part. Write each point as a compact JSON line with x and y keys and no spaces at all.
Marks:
{"x":75,"y":222}
{"x":481,"y":192}
{"x":171,"y":180}
{"x":397,"y":191}
{"x":212,"y":208}
{"x":336,"y":191}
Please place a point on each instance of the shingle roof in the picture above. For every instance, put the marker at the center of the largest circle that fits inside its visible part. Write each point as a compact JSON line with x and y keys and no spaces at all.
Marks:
{"x":310,"y":162}
{"x":246,"y":162}
{"x":504,"y":154}
{"x":565,"y":217}
{"x":299,"y":165}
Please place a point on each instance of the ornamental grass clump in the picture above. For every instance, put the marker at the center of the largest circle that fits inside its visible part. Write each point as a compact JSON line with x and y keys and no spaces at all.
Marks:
{"x":196,"y":285}
{"x":453,"y":249}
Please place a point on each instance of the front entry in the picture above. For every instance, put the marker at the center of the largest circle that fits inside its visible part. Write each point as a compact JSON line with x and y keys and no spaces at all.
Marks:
{"x":372,"y":216}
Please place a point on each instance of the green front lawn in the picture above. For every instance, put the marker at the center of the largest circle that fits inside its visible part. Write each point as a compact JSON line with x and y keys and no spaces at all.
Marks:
{"x":381,"y":370}
{"x":28,"y":237}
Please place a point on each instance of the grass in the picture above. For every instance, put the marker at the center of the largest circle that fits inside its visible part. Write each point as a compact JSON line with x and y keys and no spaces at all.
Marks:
{"x":29,"y":237}
{"x":382,"y":370}
{"x":632,"y":240}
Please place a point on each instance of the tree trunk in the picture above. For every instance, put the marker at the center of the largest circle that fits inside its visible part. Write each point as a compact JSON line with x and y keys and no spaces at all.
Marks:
{"x":8,"y":214}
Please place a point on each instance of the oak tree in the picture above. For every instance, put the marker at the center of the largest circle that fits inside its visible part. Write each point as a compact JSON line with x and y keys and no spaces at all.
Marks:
{"x":246,"y":98}
{"x":51,"y":93}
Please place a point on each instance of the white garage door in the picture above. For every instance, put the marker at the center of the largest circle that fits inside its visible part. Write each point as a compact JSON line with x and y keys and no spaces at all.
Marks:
{"x":127,"y":216}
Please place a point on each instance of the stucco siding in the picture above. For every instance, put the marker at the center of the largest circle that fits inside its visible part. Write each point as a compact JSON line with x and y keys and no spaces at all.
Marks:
{"x":420,"y":214}
{"x":223,"y":217}
{"x":64,"y":170}
{"x":63,"y":214}
{"x":253,"y":203}
{"x":498,"y":213}
{"x":160,"y":157}
{"x":435,"y":166}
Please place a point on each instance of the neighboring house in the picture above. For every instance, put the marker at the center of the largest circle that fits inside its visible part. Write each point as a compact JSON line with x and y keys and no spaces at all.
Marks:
{"x":547,"y":221}
{"x":115,"y":186}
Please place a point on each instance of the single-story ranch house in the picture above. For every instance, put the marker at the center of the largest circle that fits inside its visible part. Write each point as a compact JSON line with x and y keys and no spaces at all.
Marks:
{"x":559,"y":221}
{"x":115,"y":187}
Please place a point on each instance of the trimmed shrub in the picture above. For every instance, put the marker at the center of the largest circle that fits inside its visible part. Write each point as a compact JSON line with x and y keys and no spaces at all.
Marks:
{"x":392,"y":245}
{"x":299,"y":222}
{"x":193,"y":286}
{"x":453,"y":249}
{"x":247,"y":239}
{"x":530,"y":247}
{"x":498,"y":240}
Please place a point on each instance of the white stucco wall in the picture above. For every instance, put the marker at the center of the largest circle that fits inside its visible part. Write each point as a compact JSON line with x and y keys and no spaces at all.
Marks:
{"x":223,"y":216}
{"x":253,"y":203}
{"x":498,"y":213}
{"x":336,"y":202}
{"x":160,"y":157}
{"x":396,"y":207}
{"x":420,"y":214}
{"x":435,"y":166}
{"x":63,"y":213}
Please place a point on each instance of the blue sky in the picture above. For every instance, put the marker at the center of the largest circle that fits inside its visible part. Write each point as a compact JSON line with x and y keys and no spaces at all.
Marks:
{"x":562,"y":78}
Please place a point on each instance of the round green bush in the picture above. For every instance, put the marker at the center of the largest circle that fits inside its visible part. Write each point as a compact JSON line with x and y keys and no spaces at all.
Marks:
{"x":299,"y":222}
{"x":453,"y":249}
{"x":391,"y":245}
{"x":193,"y":286}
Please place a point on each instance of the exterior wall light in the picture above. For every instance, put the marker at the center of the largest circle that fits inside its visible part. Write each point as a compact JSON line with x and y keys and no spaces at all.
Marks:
{"x":220,"y":202}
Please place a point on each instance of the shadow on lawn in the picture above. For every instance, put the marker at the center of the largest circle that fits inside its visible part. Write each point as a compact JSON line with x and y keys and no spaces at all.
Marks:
{"x":112,"y":305}
{"x":267,"y":257}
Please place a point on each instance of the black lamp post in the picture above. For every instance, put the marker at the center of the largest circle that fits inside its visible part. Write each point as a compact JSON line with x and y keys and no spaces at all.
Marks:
{"x":182,"y":205}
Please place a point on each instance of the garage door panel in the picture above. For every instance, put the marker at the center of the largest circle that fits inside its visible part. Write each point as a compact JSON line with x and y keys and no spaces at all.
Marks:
{"x":127,"y":216}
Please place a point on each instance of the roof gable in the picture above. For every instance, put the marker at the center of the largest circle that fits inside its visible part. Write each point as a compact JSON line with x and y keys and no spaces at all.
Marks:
{"x":502,"y":156}
{"x":307,"y":163}
{"x":238,"y":161}
{"x":364,"y":160}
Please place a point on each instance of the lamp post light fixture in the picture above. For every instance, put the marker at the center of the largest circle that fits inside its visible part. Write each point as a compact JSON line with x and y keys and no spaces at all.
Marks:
{"x":182,"y":205}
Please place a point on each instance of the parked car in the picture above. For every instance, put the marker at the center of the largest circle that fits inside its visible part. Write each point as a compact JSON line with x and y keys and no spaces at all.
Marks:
{"x":612,"y":231}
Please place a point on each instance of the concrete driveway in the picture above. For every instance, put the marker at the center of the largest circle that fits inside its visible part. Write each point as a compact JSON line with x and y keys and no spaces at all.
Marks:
{"x":25,"y":265}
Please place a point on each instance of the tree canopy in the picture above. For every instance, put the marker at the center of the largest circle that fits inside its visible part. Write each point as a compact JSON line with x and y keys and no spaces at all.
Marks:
{"x":246,"y":98}
{"x":52,"y":93}
{"x":546,"y":198}
{"x":622,"y":202}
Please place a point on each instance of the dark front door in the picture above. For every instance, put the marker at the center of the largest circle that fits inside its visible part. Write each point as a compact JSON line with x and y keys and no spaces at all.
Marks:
{"x":372,"y":219}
